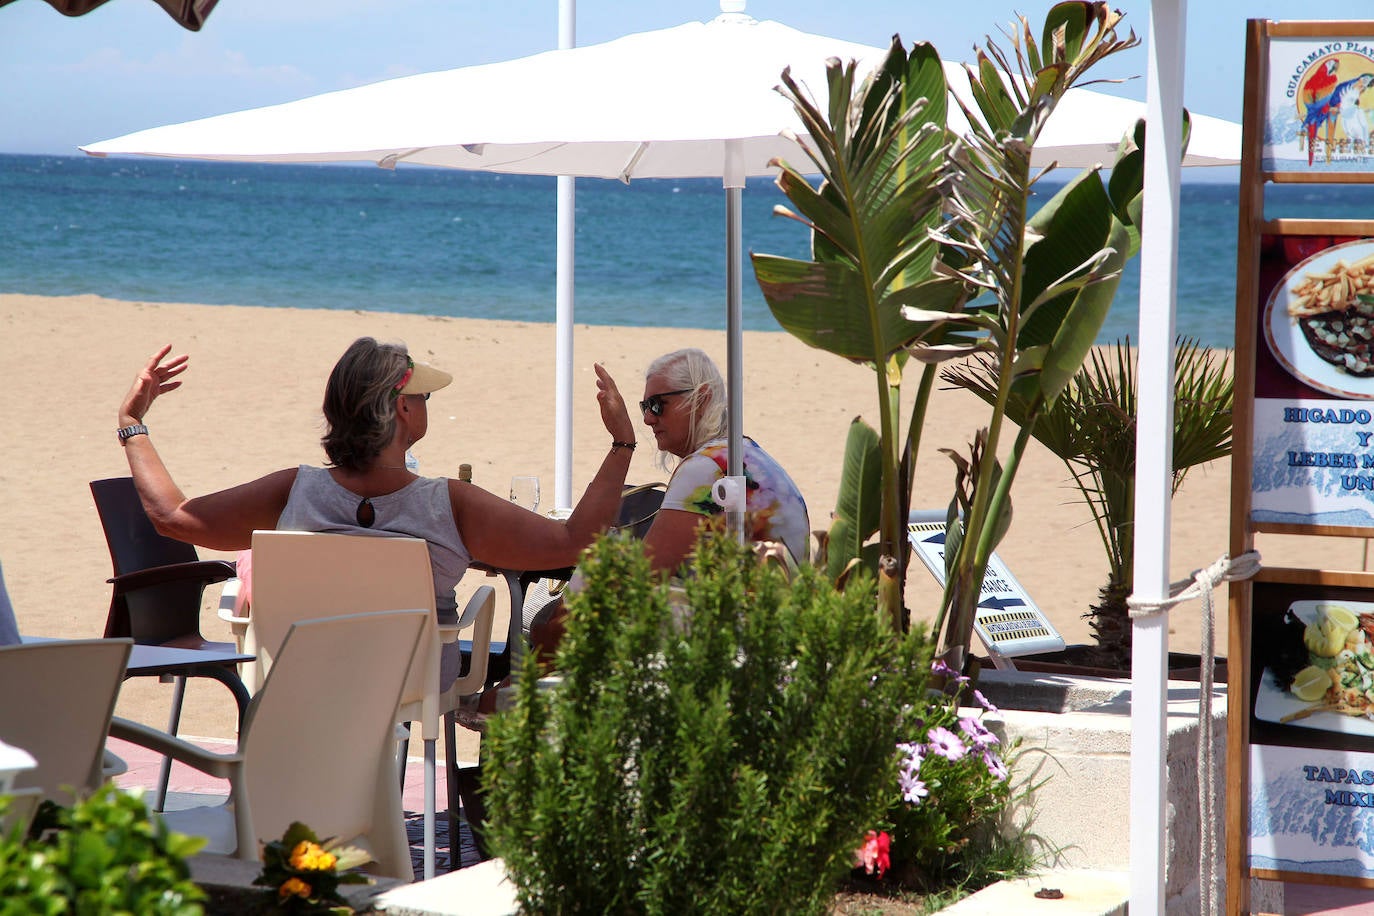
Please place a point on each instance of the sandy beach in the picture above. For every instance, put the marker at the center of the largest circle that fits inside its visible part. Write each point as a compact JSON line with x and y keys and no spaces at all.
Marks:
{"x":250,"y":405}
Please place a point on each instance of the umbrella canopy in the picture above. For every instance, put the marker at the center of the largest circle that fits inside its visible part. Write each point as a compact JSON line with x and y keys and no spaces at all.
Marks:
{"x":697,"y":100}
{"x":189,"y":14}
{"x":659,"y":104}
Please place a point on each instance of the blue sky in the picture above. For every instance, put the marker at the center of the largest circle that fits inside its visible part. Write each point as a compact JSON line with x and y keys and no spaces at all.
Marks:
{"x":127,"y":66}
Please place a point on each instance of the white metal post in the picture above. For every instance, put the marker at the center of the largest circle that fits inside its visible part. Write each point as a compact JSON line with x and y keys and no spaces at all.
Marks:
{"x":1154,"y":452}
{"x":734,"y":355}
{"x":563,"y":303}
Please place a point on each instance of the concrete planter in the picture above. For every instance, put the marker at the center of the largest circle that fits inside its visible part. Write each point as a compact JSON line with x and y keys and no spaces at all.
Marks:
{"x":1075,"y":735}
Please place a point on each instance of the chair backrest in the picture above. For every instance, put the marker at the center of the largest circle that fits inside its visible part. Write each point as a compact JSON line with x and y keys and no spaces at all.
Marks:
{"x":319,"y":743}
{"x":157,"y":613}
{"x":638,"y":506}
{"x":56,"y":700}
{"x":300,"y":575}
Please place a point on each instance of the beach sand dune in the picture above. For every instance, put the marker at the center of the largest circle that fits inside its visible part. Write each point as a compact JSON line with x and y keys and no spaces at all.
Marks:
{"x":250,"y":405}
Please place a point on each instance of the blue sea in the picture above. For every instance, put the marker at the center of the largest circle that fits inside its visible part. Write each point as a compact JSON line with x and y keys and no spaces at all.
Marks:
{"x":446,"y":242}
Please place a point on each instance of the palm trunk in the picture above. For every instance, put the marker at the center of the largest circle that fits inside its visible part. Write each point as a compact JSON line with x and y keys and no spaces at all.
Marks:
{"x":1110,"y":621}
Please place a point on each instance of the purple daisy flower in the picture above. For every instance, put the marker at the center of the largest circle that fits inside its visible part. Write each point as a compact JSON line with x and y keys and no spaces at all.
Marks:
{"x":978,"y":734}
{"x":984,"y":701}
{"x":913,"y":790}
{"x":995,"y":766}
{"x":940,"y":667}
{"x":947,"y":744}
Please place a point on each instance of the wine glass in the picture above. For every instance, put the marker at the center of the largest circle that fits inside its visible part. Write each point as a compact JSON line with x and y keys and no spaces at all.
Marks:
{"x":524,"y":491}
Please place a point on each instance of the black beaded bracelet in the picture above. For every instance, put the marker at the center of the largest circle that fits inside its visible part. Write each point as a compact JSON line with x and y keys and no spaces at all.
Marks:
{"x":617,"y":445}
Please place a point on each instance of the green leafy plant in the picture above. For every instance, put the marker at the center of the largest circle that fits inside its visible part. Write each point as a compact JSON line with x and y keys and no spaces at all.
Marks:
{"x":106,"y":854}
{"x":1091,"y":427}
{"x":304,"y":873}
{"x":941,"y":257}
{"x":723,"y":759}
{"x":879,"y":148}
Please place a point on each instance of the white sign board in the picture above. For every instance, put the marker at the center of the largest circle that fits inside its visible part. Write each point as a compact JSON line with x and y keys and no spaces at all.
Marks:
{"x":1008,"y":621}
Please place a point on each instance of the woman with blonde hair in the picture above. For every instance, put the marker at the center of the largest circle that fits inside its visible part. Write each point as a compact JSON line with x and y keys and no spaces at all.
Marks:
{"x":685,"y":407}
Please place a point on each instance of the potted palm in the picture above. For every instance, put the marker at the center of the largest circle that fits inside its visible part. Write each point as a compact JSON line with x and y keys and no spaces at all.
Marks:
{"x":924,"y":245}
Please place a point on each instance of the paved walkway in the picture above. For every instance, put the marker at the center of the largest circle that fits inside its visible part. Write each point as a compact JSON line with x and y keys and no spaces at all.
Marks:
{"x":189,"y":788}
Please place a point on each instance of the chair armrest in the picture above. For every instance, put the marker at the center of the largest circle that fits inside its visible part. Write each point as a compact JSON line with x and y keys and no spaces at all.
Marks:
{"x":221,"y":766}
{"x":112,"y":765}
{"x":205,"y":571}
{"x":481,"y":609}
{"x":528,"y":575}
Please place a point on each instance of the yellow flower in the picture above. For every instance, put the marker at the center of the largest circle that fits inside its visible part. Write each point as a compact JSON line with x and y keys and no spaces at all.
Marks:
{"x":308,"y":856}
{"x":294,"y":887}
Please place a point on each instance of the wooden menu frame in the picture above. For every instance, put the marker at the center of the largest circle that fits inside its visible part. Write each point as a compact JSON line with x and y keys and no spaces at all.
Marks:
{"x":1303,"y":439}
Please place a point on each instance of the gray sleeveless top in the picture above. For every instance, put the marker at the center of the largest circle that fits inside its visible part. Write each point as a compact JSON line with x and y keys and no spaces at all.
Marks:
{"x":421,"y":509}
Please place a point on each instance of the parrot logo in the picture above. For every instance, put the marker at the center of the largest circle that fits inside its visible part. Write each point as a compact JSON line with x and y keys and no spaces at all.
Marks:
{"x":1314,"y":90}
{"x":1329,"y":101}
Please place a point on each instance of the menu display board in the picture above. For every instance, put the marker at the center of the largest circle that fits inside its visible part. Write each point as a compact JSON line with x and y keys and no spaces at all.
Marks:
{"x":1312,"y":728}
{"x":1313,"y":437}
{"x":1300,"y":736}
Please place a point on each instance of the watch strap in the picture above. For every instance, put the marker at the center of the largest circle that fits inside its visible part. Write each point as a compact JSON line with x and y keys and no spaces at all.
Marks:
{"x":127,"y":432}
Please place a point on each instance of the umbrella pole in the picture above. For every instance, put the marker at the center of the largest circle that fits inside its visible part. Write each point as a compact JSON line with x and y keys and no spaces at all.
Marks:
{"x":563,"y":345}
{"x":563,"y":302}
{"x":1154,"y":451}
{"x":734,"y":355}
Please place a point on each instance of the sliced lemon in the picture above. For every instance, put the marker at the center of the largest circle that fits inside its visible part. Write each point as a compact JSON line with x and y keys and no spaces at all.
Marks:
{"x":1344,"y":618}
{"x":1311,"y":684}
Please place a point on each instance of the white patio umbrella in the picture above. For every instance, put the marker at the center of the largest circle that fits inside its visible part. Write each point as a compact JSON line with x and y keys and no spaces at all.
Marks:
{"x":697,"y":100}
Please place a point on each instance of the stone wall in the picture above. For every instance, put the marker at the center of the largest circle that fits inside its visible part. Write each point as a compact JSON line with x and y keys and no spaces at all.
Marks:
{"x":1075,"y":736}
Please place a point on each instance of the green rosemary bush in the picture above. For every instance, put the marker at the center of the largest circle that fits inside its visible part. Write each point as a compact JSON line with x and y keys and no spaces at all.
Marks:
{"x":727,"y":763}
{"x":105,"y":854}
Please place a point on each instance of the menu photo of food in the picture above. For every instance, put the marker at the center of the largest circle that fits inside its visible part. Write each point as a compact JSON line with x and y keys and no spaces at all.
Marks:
{"x":1319,"y":670}
{"x":1319,"y":320}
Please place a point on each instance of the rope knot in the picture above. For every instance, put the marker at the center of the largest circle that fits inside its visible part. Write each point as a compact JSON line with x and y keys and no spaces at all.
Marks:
{"x":1200,"y":584}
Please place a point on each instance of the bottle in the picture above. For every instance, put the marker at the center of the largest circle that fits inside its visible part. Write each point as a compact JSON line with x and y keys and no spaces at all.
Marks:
{"x":412,"y":463}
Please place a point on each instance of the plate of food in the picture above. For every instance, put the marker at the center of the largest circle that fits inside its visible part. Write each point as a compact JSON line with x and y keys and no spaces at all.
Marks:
{"x":1326,"y":682}
{"x":1319,"y":321}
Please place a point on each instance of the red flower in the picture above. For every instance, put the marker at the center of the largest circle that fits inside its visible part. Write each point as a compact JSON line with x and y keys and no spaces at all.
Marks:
{"x":873,"y":854}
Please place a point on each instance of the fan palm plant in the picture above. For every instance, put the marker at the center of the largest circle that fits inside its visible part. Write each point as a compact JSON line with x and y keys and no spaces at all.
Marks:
{"x":1091,"y":427}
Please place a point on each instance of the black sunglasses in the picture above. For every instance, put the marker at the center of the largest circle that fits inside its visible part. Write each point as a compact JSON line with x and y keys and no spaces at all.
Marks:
{"x":654,"y":402}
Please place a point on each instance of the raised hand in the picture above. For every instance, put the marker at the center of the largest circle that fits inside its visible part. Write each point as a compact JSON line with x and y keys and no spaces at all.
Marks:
{"x":614,"y":413}
{"x":154,"y":379}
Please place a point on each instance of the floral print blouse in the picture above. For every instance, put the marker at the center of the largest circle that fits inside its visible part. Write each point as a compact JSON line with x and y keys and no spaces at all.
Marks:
{"x":774,"y":508}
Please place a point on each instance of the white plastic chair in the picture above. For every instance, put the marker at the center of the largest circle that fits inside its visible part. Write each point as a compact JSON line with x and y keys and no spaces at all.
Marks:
{"x":56,"y":700}
{"x":300,"y":575}
{"x":317,"y":744}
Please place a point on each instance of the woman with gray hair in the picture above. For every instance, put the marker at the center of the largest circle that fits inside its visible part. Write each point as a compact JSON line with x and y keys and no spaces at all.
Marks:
{"x":684,"y":407}
{"x":375,"y":408}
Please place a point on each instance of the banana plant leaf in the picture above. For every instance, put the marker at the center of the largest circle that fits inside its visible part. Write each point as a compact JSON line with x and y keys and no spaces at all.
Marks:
{"x":858,"y":506}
